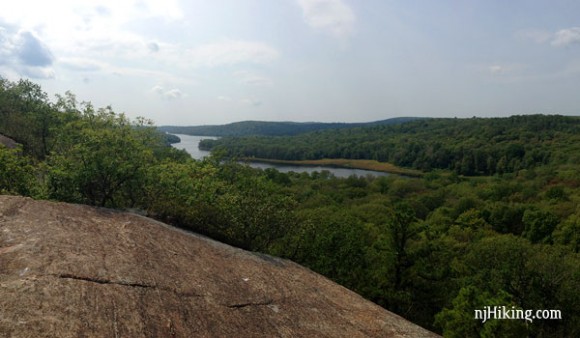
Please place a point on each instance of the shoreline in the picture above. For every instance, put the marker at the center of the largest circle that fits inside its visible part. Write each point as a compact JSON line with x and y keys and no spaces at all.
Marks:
{"x":371,"y":165}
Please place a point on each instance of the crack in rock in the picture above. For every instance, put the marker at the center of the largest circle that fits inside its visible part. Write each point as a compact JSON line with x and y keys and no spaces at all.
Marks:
{"x":105,"y":281}
{"x":242,"y":305}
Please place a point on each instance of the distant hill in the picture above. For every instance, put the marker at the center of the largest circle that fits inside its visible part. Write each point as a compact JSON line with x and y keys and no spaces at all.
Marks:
{"x":247,"y":128}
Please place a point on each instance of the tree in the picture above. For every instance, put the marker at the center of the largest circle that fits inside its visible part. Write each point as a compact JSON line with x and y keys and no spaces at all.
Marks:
{"x":568,"y":233}
{"x":252,"y":214}
{"x":27,"y":116}
{"x":16,"y":173}
{"x":459,"y":319}
{"x":539,"y":225}
{"x":101,"y":160}
{"x":333,"y":243}
{"x":401,"y":228}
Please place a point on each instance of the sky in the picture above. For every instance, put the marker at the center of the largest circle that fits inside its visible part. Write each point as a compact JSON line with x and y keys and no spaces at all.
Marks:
{"x":196,"y":62}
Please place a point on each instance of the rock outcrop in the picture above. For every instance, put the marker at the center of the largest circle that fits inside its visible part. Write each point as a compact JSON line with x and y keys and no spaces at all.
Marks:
{"x":7,"y":142}
{"x":78,"y":271}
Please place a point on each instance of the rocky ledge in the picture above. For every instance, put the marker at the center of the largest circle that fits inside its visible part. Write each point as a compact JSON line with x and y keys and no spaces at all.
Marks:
{"x":78,"y":271}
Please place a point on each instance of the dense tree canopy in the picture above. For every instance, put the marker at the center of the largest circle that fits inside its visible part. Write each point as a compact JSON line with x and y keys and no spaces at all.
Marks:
{"x":477,"y":146}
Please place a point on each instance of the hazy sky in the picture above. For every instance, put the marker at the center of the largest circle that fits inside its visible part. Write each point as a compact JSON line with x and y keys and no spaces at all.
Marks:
{"x":217,"y":61}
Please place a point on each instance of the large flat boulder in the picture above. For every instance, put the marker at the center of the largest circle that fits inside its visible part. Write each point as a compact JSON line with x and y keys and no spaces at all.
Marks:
{"x":78,"y":271}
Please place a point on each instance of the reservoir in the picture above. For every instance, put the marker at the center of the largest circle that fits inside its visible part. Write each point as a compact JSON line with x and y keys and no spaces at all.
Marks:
{"x":190,"y":144}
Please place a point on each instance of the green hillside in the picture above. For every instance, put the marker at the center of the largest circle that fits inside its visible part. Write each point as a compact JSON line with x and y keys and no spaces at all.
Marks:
{"x":475,"y":146}
{"x":246,"y":128}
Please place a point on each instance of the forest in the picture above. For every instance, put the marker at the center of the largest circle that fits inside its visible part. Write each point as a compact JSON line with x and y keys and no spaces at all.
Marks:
{"x":477,"y":146}
{"x":494,"y":219}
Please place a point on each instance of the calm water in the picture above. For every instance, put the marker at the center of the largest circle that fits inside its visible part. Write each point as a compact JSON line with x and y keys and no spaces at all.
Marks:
{"x":190,"y":144}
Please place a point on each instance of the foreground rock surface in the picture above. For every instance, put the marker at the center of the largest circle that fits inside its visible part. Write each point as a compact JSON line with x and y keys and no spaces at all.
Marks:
{"x":77,"y":271}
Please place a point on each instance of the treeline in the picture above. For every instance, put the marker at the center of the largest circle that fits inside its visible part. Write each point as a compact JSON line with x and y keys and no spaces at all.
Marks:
{"x":246,"y":128}
{"x":432,"y":249}
{"x":476,"y":146}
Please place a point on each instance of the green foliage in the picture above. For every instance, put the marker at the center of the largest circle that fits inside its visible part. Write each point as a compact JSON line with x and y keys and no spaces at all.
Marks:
{"x":535,"y":277}
{"x":556,"y":193}
{"x":332,"y":243}
{"x":230,"y":202}
{"x":27,"y":116}
{"x":458,"y":321}
{"x":184,"y":193}
{"x":101,"y":160}
{"x":539,"y":225}
{"x":568,"y":233}
{"x":467,"y":146}
{"x":16,"y":174}
{"x":171,"y":139}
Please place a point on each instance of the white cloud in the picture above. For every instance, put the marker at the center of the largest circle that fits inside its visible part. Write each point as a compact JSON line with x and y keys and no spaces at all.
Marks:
{"x":22,"y":53}
{"x":173,"y":94}
{"x":251,"y":102}
{"x":251,"y":78}
{"x":87,"y":14}
{"x":166,"y":9}
{"x":231,"y":52}
{"x":64,"y":36}
{"x":82,"y":64}
{"x":224,"y":98}
{"x":562,"y":38}
{"x":506,"y":69}
{"x":148,"y":74}
{"x":167,"y":94}
{"x":331,"y":16}
{"x":566,"y":37}
{"x":38,"y":72}
{"x":536,"y":35}
{"x":74,"y":27}
{"x":79,"y":33}
{"x":496,"y":69}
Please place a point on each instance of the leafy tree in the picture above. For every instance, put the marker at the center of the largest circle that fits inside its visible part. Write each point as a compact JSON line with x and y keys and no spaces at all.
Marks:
{"x":183,"y":193}
{"x":101,"y":160}
{"x":253,"y":215}
{"x":333,"y":243}
{"x":27,"y":116}
{"x":539,"y":225}
{"x":568,"y":233}
{"x":16,"y":173}
{"x":535,"y":277}
{"x":459,"y":320}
